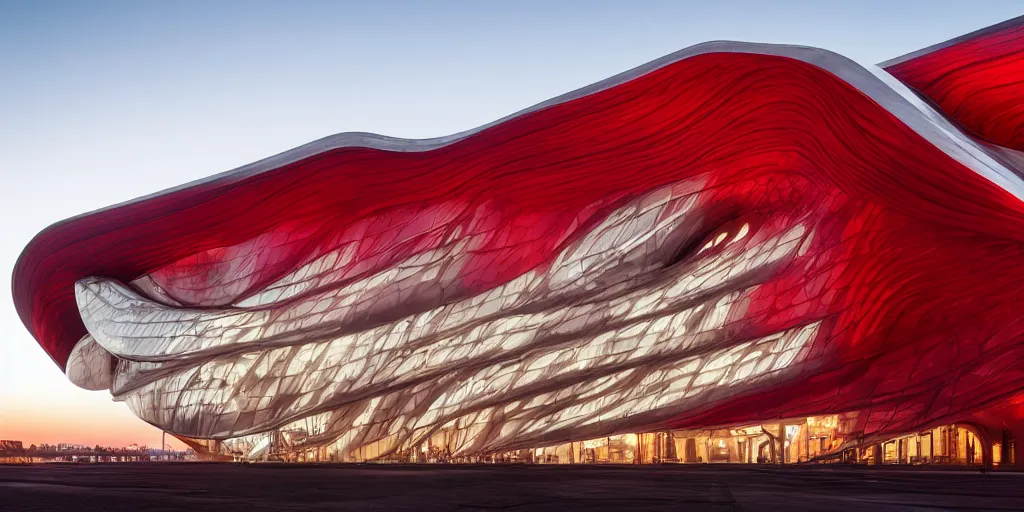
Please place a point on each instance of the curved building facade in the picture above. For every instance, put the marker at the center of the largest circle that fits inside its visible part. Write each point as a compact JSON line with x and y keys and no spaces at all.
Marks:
{"x":734,"y":234}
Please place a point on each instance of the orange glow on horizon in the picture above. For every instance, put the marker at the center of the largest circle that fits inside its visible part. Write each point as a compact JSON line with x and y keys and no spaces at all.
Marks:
{"x":113,"y":427}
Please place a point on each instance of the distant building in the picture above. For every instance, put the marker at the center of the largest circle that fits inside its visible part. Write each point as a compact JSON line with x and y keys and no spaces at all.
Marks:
{"x":11,"y":446}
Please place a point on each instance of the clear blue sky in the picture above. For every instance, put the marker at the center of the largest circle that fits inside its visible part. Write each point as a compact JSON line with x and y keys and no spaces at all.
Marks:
{"x":101,"y":102}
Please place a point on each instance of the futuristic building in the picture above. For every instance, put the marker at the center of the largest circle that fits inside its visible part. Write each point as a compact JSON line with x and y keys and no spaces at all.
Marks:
{"x":743,"y":247}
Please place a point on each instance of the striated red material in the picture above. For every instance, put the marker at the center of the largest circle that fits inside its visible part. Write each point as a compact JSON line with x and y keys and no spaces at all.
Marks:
{"x":977,"y":80}
{"x":914,"y":267}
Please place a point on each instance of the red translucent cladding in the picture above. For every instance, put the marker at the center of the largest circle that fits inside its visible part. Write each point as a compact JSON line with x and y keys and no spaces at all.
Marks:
{"x":978,"y":81}
{"x":911,"y":250}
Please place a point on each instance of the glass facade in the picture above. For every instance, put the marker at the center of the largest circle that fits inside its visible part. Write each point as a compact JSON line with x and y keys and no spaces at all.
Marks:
{"x":654,"y":268}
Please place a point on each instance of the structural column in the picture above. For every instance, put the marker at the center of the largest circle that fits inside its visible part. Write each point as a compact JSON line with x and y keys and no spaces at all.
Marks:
{"x":1018,"y":449}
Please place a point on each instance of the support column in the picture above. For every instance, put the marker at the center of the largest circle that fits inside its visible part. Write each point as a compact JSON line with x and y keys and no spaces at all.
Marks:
{"x":807,"y":441}
{"x":638,"y":455}
{"x":1005,"y":448}
{"x":879,"y":453}
{"x":773,"y":445}
{"x":1018,"y":449}
{"x":782,"y":443}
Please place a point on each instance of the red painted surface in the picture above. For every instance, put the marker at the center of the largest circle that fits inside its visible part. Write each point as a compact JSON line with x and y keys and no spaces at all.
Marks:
{"x":979,"y":82}
{"x":915,"y":267}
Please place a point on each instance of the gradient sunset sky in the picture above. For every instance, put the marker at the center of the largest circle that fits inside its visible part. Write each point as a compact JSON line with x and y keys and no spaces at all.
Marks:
{"x":103,"y":102}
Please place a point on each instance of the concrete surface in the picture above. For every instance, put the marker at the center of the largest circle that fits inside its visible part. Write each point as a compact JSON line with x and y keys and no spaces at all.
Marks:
{"x":222,"y":487}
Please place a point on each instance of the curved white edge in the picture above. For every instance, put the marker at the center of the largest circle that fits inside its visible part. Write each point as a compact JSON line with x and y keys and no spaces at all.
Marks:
{"x":873,"y":82}
{"x":1019,"y":20}
{"x":935,"y":127}
{"x":904,"y":105}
